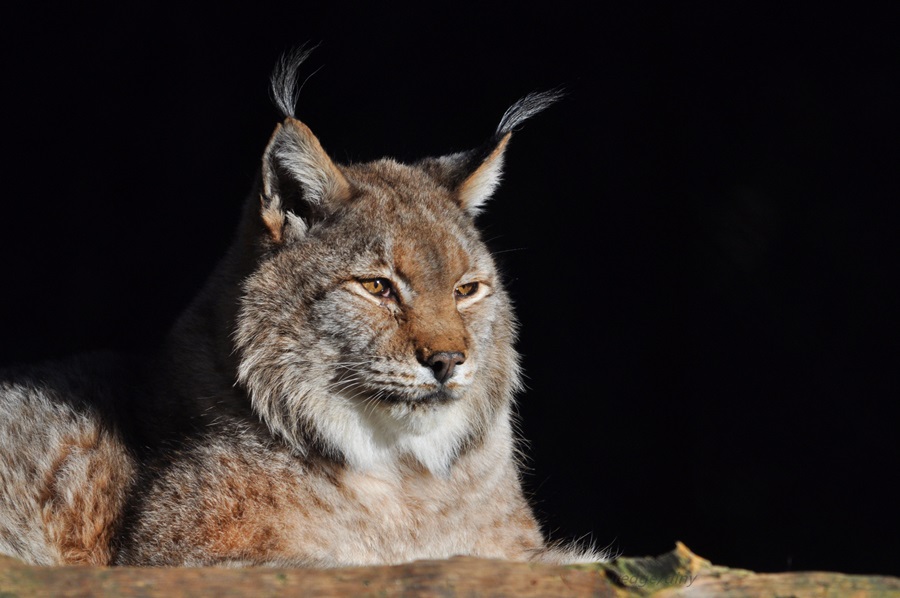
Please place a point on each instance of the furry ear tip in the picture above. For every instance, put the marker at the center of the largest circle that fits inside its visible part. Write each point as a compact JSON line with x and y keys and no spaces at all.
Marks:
{"x":292,"y":133}
{"x":526,"y":107}
{"x":292,"y":123}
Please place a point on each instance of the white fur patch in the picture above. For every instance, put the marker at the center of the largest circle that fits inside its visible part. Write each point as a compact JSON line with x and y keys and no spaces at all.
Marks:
{"x":373,"y":437}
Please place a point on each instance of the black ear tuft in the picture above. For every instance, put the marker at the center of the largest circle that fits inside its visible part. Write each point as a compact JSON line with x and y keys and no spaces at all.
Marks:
{"x":525,"y":108}
{"x":476,"y":173}
{"x":284,"y":87}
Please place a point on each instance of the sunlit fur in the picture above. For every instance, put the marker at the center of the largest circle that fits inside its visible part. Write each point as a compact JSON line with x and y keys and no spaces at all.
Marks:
{"x":294,"y":416}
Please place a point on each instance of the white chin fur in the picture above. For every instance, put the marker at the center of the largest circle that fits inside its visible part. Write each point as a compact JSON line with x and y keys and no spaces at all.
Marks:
{"x":373,"y":437}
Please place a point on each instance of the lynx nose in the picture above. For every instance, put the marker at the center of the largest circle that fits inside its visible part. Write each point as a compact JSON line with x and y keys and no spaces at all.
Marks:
{"x":443,"y":363}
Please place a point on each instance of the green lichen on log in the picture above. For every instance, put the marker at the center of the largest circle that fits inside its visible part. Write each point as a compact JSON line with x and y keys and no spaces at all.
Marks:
{"x":645,"y":576}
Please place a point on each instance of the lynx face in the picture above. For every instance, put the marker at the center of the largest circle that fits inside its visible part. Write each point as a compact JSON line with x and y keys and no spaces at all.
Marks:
{"x":381,"y":331}
{"x":374,"y":325}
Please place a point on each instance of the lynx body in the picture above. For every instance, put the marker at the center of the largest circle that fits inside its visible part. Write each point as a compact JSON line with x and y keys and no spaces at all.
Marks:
{"x":339,"y":393}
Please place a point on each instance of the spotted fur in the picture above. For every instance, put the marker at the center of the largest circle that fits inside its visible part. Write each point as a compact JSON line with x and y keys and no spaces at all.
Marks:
{"x":294,"y":416}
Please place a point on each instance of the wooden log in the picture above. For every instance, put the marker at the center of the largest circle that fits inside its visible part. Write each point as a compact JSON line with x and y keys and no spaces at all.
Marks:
{"x":677,"y":573}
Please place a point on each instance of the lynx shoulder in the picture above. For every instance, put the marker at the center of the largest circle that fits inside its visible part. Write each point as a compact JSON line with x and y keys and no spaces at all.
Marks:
{"x":339,"y":392}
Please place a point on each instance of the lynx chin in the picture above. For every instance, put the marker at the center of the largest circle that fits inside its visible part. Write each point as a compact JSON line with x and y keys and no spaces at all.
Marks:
{"x":339,"y":392}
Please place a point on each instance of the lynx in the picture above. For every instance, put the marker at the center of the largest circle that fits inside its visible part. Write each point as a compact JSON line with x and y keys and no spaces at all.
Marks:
{"x":339,"y":393}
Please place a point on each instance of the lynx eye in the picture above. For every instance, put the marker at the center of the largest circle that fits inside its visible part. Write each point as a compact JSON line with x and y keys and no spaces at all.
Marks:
{"x":466,"y":290}
{"x":378,"y":286}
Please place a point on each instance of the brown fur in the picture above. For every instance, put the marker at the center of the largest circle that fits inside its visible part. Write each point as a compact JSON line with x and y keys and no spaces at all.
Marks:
{"x":78,"y":512}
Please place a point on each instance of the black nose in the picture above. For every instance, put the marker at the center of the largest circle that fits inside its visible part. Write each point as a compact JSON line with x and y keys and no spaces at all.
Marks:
{"x":443,"y":363}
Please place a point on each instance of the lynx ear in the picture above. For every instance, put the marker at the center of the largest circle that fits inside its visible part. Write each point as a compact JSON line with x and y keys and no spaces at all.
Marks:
{"x":479,"y":186}
{"x":474,"y":175}
{"x":299,"y":181}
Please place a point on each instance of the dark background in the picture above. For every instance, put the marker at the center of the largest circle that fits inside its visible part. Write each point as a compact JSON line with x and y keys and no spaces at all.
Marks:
{"x":700,"y":239}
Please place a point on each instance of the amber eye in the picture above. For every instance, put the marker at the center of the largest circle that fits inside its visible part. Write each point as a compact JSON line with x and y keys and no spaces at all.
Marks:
{"x":466,"y":290}
{"x":378,"y":286}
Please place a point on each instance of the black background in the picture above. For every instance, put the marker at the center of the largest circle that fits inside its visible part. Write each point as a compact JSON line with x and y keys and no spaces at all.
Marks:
{"x":700,"y":239}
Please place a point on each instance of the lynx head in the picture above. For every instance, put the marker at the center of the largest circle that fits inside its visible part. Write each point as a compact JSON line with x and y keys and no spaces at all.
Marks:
{"x":374,"y":327}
